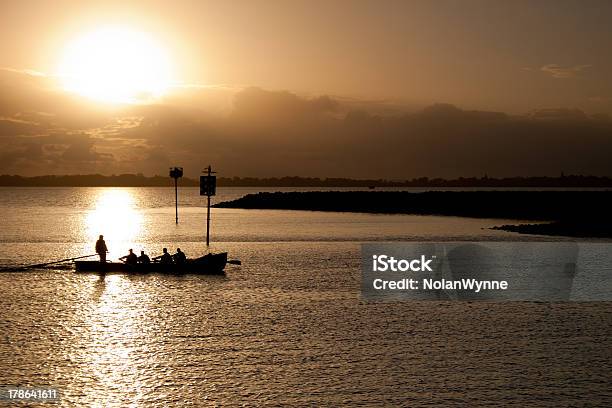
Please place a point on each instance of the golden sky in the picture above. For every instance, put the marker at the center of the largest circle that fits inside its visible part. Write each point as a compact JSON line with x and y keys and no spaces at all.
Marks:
{"x":163,"y":67}
{"x":499,"y":55}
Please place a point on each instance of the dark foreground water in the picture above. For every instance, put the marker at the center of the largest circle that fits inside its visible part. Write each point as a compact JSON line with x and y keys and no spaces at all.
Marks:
{"x":288,"y":327}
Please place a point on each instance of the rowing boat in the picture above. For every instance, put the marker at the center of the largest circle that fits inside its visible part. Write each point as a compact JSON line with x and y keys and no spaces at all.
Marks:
{"x":210,"y":264}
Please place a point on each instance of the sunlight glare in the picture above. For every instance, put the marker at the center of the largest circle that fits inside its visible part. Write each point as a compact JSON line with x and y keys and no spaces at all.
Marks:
{"x":115,"y":65}
{"x":115,"y":217}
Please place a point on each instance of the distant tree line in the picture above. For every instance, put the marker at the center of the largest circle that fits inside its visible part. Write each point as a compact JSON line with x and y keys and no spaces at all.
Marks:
{"x":139,"y":180}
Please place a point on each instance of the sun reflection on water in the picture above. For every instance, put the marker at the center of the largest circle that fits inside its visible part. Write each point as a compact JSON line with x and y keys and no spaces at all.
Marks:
{"x":116,"y":217}
{"x":117,"y":351}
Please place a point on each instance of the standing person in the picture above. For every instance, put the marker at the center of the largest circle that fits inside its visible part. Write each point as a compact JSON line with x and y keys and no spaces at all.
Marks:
{"x":101,"y":248}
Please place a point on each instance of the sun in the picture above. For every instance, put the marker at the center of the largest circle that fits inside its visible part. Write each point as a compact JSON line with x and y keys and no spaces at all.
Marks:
{"x":116,"y":65}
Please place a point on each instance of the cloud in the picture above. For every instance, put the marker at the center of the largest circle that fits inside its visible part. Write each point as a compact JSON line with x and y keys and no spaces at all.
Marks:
{"x":259,"y":105}
{"x":261,"y":132}
{"x":558,"y":71}
{"x":14,"y":126}
{"x":559,"y":114}
{"x":82,"y":150}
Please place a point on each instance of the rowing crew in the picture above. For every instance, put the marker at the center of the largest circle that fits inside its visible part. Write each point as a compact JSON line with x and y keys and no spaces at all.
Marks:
{"x":131,"y":258}
{"x":165,"y":258}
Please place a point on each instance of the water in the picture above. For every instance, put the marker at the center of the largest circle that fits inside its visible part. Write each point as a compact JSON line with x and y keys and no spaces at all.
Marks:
{"x":288,"y":327}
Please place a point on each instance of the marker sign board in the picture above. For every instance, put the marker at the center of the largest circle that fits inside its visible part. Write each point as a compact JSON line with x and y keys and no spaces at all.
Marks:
{"x":208,"y":185}
{"x":176,"y":172}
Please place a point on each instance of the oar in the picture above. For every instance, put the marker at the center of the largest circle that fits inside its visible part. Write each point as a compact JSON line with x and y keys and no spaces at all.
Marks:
{"x":234,"y":262}
{"x":48,"y":263}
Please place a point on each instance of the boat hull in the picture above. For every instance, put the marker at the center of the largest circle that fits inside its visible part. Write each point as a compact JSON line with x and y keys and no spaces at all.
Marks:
{"x":211,"y":264}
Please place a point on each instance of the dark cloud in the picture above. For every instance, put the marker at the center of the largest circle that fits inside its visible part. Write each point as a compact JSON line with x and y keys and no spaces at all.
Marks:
{"x":82,"y":150}
{"x":15,"y":127}
{"x":261,"y":107}
{"x":559,"y":114}
{"x":270,"y":133}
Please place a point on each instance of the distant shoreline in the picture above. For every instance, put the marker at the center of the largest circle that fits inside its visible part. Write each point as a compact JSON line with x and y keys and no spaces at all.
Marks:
{"x":139,"y":180}
{"x":559,"y":213}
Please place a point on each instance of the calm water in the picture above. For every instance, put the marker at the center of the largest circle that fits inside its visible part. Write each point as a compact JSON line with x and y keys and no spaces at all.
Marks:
{"x":288,"y":327}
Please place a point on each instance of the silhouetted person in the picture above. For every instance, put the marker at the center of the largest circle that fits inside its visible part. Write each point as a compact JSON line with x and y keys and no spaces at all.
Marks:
{"x":164,"y":258}
{"x":101,"y":248}
{"x":131,"y":258}
{"x":144,"y":258}
{"x":179,"y":257}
